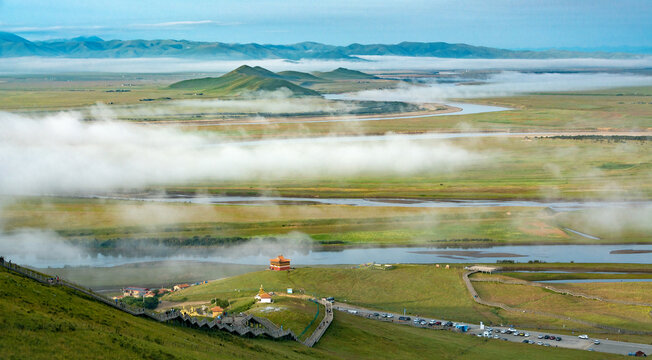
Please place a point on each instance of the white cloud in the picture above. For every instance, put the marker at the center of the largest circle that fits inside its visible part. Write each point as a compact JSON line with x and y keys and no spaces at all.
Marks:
{"x":503,"y":84}
{"x":62,"y":154}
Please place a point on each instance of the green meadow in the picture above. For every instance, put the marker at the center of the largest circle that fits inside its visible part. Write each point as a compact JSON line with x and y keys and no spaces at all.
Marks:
{"x":41,"y":322}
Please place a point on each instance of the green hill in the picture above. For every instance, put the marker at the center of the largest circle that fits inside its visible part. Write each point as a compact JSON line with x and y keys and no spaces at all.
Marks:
{"x":344,"y":74}
{"x":42,"y":322}
{"x":299,"y":76}
{"x":243,"y":80}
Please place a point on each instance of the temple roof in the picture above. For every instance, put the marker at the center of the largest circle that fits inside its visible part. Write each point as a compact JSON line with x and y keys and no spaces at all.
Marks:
{"x":280,"y":258}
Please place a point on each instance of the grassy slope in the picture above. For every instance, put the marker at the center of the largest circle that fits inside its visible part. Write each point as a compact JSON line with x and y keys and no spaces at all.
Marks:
{"x":291,"y":313}
{"x":534,"y":298}
{"x":344,"y":74}
{"x":40,"y":322}
{"x":571,"y":276}
{"x":626,"y":291}
{"x":423,"y":290}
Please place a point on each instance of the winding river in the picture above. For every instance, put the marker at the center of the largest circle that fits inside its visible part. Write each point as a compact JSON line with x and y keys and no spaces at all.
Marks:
{"x":409,"y":255}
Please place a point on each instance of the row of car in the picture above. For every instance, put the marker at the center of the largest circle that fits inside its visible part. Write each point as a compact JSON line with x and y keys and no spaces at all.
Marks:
{"x":549,"y":337}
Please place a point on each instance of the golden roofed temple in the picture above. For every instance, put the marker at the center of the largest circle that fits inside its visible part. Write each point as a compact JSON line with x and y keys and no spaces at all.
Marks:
{"x":279,"y":263}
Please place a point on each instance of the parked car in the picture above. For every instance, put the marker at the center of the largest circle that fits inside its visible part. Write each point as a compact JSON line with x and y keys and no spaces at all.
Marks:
{"x":526,"y":341}
{"x":539,"y":343}
{"x":546,"y":337}
{"x":437,"y":322}
{"x":390,"y":316}
{"x":404,"y":318}
{"x":596,"y":342}
{"x":585,"y":337}
{"x":540,"y":337}
{"x":376,"y":314}
{"x":527,"y":335}
{"x":557,"y":338}
{"x":432,"y":322}
{"x":423,"y":323}
{"x":450,"y":323}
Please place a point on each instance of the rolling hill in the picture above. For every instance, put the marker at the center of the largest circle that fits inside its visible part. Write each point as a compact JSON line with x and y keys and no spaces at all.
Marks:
{"x":344,"y":74}
{"x":242,"y":80}
{"x":12,"y":45}
{"x":299,"y":76}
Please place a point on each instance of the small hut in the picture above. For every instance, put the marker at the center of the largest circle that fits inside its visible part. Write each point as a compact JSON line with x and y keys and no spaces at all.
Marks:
{"x":279,"y":263}
{"x":263,"y":297}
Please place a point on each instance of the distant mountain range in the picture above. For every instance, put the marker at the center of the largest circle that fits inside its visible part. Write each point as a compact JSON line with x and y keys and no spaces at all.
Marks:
{"x":246,"y":79}
{"x":12,"y":45}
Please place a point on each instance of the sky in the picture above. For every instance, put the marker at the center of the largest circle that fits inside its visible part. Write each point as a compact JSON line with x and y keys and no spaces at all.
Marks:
{"x":513,"y":24}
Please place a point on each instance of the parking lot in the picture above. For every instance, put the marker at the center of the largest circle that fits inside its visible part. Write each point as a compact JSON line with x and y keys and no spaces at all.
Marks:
{"x":500,"y":333}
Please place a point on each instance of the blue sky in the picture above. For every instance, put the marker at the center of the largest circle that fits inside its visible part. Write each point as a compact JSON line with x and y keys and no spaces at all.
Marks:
{"x":516,"y":24}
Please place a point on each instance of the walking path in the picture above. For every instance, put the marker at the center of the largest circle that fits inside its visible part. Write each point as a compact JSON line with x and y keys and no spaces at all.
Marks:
{"x":248,"y":325}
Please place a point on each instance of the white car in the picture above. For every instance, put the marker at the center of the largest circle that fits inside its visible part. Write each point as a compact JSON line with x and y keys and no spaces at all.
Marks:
{"x":585,"y":337}
{"x":527,"y":334}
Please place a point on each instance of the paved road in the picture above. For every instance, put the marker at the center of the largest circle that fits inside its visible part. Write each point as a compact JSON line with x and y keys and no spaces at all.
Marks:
{"x":568,"y":341}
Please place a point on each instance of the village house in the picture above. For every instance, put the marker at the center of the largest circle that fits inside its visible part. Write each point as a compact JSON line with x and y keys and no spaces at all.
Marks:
{"x":180,"y":287}
{"x":279,"y":263}
{"x":134,"y":291}
{"x":263,"y":297}
{"x":162,"y":291}
{"x":217,"y":311}
{"x":150,"y":294}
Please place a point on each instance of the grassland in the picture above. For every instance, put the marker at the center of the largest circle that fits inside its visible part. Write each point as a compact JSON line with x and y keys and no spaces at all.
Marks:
{"x":425,"y":290}
{"x":625,"y":109}
{"x":111,"y":224}
{"x":626,"y":291}
{"x":526,"y":297}
{"x":40,"y":322}
{"x":510,"y":168}
{"x":572,"y":276}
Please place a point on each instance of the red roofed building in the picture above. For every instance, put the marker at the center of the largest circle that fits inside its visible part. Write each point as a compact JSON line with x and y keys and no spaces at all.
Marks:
{"x":180,"y":287}
{"x":263,"y":297}
{"x":279,"y":263}
{"x":217,"y":311}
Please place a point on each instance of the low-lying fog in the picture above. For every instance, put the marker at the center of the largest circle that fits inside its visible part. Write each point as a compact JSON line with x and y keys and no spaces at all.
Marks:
{"x":62,"y":154}
{"x":500,"y":85}
{"x":39,"y":65}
